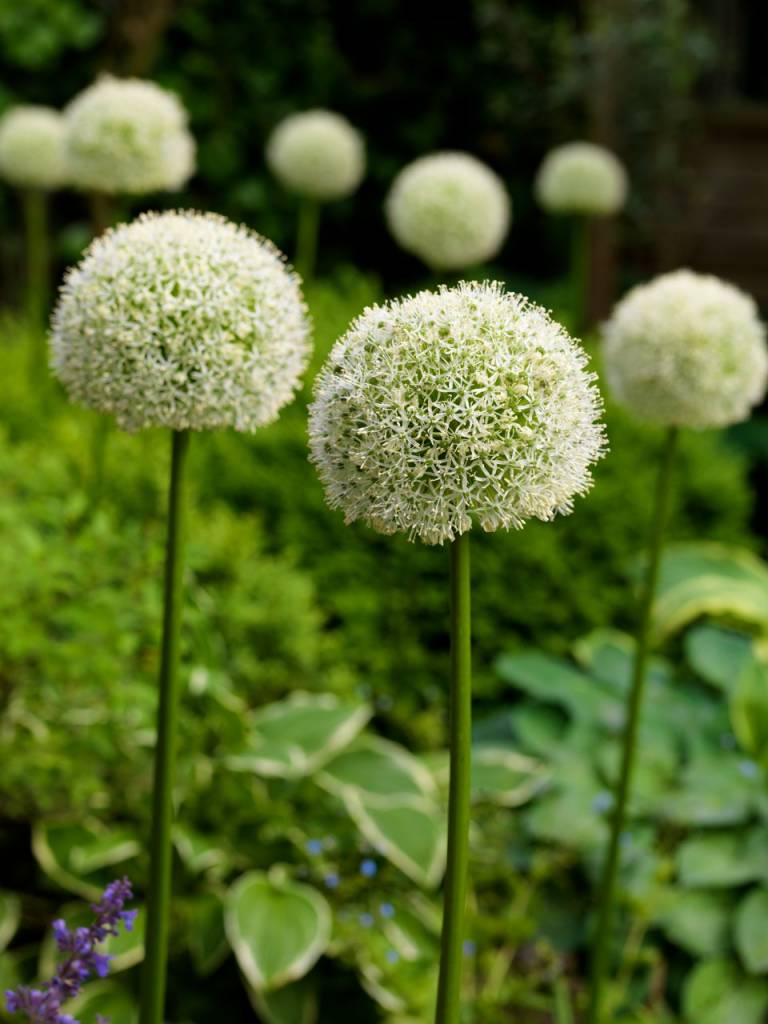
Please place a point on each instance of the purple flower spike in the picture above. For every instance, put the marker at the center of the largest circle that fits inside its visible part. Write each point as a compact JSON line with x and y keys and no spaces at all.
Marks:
{"x":82,"y":961}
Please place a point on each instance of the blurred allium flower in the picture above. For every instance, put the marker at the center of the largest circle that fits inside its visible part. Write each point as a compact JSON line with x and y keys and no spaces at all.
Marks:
{"x":317,"y":154}
{"x":581,"y":177}
{"x":466,"y":405}
{"x":686,"y":350}
{"x":449,"y":209}
{"x":128,"y":135}
{"x":181,"y":320}
{"x":32,"y":153}
{"x":81,"y":959}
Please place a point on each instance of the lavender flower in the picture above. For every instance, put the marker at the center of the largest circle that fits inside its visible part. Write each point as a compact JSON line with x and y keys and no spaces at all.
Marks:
{"x":82,"y":960}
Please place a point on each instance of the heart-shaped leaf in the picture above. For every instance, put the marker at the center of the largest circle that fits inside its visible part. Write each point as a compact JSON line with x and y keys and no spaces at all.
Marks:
{"x":277,"y":928}
{"x":296,"y":736}
{"x":377,"y":768}
{"x":75,"y":855}
{"x":407,"y":830}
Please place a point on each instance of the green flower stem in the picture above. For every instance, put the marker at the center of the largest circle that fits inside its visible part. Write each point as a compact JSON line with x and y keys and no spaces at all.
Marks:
{"x":602,"y":940}
{"x":579,"y":271}
{"x":158,"y":903}
{"x":306,"y":238}
{"x":455,"y":893}
{"x":35,"y":204}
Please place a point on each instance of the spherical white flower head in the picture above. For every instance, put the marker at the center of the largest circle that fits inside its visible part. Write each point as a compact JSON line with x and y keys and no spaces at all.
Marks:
{"x":581,"y":177}
{"x":450,"y":210}
{"x":466,"y":405}
{"x":317,"y":154}
{"x":181,"y":320}
{"x":32,"y":151}
{"x":686,"y":350}
{"x":125,"y":135}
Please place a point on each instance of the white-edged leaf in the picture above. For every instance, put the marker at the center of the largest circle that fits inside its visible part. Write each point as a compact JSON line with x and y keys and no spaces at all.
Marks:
{"x":379,"y":769}
{"x":505,"y":777}
{"x":196,"y":852}
{"x":407,"y":830}
{"x":296,"y":736}
{"x":10,"y":913}
{"x":277,"y":928}
{"x":69,"y":852}
{"x":699,"y":579}
{"x":293,"y":1004}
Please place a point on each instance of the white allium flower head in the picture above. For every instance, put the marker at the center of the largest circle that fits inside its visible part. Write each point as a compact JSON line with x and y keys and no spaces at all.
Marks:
{"x":581,"y":177}
{"x":181,"y":320}
{"x":449,"y":209}
{"x":32,"y":153}
{"x":468,"y":405}
{"x":318,"y":154}
{"x":126,"y":135}
{"x":686,"y":350}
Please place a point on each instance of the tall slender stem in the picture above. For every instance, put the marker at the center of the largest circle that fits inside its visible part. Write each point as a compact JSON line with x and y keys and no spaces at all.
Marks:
{"x":602,"y":940}
{"x":35,"y":203}
{"x":455,"y":893}
{"x":306,"y":238}
{"x":158,"y":904}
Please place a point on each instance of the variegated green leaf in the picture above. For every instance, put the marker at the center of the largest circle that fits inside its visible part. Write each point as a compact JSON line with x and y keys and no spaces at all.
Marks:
{"x":377,"y":768}
{"x":75,"y":855}
{"x":10,"y":912}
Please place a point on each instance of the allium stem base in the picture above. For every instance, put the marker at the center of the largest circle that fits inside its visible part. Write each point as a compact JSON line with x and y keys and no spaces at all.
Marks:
{"x":158,"y":903}
{"x":603,"y":932}
{"x":455,"y":892}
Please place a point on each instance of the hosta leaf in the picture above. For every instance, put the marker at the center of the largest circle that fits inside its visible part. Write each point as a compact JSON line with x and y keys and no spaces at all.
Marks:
{"x":699,"y":579}
{"x":716,"y":992}
{"x":505,"y":777}
{"x":206,"y":936}
{"x":608,"y":655}
{"x":126,"y":948}
{"x":196,"y":851}
{"x":748,"y":706}
{"x":377,"y":768}
{"x":407,"y":830}
{"x":296,"y":736}
{"x":277,"y":928}
{"x":751,"y":933}
{"x":554,"y":681}
{"x":717,"y":655}
{"x":293,"y":1004}
{"x":537,"y":728}
{"x":698,"y":921}
{"x":10,"y":912}
{"x":105,"y":999}
{"x":714,"y":789}
{"x":75,"y":855}
{"x":724,"y":859}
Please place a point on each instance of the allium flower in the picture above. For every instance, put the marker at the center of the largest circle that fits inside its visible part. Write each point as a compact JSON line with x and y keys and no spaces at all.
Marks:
{"x":466,"y":405}
{"x":81,"y":960}
{"x":128,"y":135}
{"x":581,"y":177}
{"x":181,"y":320}
{"x":317,"y":154}
{"x":686,"y":350}
{"x":32,"y":151}
{"x":450,"y":210}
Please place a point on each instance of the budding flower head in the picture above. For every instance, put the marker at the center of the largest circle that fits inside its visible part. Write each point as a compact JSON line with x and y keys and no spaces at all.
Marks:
{"x":128,"y":135}
{"x":581,"y":177}
{"x":318,"y":154}
{"x":32,"y":153}
{"x":450,"y":210}
{"x":686,"y":350}
{"x":449,"y":408}
{"x":181,"y":320}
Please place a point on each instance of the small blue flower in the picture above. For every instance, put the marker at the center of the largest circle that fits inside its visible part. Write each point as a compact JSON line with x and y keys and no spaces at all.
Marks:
{"x":366,"y":920}
{"x":392,"y":956}
{"x":368,"y":868}
{"x":469,"y":947}
{"x":602,"y":802}
{"x":314,"y":847}
{"x":749,"y":769}
{"x":331,"y":880}
{"x":387,"y":910}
